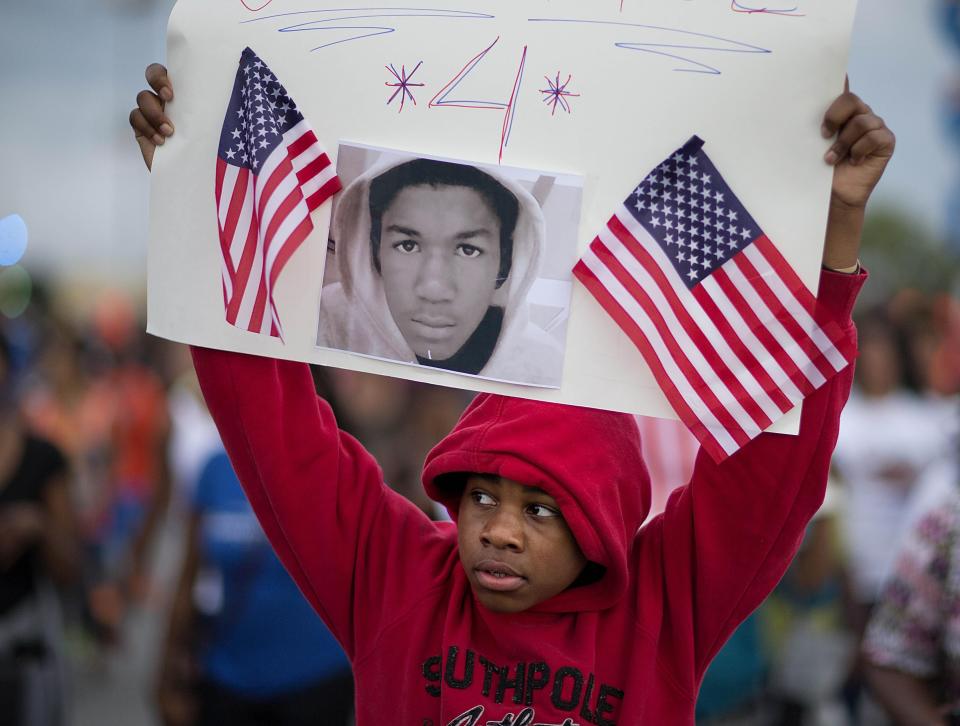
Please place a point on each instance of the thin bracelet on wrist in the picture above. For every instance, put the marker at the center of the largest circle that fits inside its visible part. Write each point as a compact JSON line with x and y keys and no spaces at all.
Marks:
{"x":852,"y":270}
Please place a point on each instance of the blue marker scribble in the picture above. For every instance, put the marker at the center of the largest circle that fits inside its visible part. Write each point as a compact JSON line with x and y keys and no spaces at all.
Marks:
{"x":671,"y":50}
{"x":765,"y":9}
{"x":442,"y":98}
{"x":332,"y":24}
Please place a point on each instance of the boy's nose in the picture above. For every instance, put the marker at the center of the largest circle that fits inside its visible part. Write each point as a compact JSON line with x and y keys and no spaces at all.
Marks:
{"x":435,"y":281}
{"x":503,"y":531}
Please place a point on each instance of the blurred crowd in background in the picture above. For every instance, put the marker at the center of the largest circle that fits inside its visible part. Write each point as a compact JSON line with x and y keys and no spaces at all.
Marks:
{"x":155,"y":579}
{"x":136,"y":587}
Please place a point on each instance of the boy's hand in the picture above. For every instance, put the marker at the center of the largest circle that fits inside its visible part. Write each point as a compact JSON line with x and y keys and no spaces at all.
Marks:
{"x":150,"y":125}
{"x":859,"y":155}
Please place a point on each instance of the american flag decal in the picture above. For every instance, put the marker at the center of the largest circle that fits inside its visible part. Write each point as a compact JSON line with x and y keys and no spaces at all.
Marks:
{"x":731,"y":333}
{"x":271,"y":173}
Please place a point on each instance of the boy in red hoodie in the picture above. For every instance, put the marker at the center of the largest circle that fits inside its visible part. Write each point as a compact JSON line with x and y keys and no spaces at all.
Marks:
{"x":544,"y":602}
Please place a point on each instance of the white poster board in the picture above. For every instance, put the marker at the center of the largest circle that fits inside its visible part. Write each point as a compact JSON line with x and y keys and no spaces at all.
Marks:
{"x":602,"y":90}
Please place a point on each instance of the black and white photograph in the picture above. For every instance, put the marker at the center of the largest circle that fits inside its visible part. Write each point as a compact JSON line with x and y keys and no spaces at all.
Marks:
{"x":451,"y":265}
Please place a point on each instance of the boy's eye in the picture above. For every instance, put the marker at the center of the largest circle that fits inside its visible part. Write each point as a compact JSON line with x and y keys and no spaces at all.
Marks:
{"x":407,"y":246}
{"x":482,"y":498}
{"x":469,"y":251}
{"x":543,"y":511}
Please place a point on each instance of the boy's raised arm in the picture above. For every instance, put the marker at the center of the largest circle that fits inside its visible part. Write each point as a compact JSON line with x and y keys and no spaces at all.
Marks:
{"x":346,"y":538}
{"x":350,"y":542}
{"x":727,"y":539}
{"x":291,"y":458}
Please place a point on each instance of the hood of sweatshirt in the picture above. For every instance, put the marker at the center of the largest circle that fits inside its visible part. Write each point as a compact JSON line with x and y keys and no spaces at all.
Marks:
{"x":588,"y":460}
{"x":362,"y":284}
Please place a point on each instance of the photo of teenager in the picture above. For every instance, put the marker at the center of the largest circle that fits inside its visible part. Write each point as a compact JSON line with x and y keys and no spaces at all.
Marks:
{"x":438,"y":263}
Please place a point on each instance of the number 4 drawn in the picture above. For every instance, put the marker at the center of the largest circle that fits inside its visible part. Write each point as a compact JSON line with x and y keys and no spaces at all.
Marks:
{"x":443,"y":100}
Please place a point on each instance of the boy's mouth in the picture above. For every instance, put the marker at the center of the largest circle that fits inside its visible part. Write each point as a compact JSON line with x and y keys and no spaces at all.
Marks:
{"x":433,"y":329}
{"x":497,"y":576}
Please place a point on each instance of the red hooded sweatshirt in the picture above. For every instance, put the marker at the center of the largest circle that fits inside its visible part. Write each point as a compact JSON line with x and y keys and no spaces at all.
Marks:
{"x":629,"y":649}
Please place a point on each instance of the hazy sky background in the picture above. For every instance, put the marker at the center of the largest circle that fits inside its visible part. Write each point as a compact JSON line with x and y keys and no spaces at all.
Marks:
{"x":71,"y":71}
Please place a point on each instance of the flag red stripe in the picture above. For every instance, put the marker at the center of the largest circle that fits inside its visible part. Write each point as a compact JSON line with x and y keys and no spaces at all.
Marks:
{"x":841,"y":341}
{"x":324,"y":193}
{"x":277,"y":177}
{"x":782,"y":314}
{"x":626,"y":323}
{"x":845,"y":342}
{"x":234,"y":213}
{"x":218,"y":182}
{"x":763,"y":335}
{"x":313,"y":169}
{"x":725,"y":375}
{"x":743,"y":352}
{"x":687,"y":369}
{"x":290,"y":245}
{"x":301,"y":144}
{"x":218,"y":185}
{"x":287,"y":206}
{"x":242,"y":278}
{"x":800,"y":306}
{"x":259,"y":306}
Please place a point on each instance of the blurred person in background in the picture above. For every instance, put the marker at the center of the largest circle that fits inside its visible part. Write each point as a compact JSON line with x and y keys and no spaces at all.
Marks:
{"x":931,"y":329}
{"x":893,"y":442}
{"x":805,"y":633}
{"x":244,"y":647}
{"x":887,"y":439}
{"x":38,"y":549}
{"x":63,"y":401}
{"x":912,"y":643}
{"x":193,"y":436}
{"x":132,"y":397}
{"x":733,"y":688}
{"x":398,"y":421}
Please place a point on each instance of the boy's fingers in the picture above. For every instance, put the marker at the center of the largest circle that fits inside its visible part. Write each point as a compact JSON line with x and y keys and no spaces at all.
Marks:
{"x":842,"y":110}
{"x":147,"y":147}
{"x":879,"y":142}
{"x":151,"y":108}
{"x":850,"y":133}
{"x":156,"y":76}
{"x":143,"y":129}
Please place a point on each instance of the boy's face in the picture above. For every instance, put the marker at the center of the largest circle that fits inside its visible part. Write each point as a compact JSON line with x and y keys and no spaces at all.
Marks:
{"x":515,"y":545}
{"x":439,"y":259}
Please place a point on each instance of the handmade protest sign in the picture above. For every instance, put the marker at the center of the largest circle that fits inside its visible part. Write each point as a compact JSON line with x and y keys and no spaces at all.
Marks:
{"x":560,"y":102}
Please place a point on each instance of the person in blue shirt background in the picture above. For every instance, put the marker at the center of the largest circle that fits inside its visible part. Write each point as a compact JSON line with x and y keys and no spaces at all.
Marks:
{"x":244,"y":647}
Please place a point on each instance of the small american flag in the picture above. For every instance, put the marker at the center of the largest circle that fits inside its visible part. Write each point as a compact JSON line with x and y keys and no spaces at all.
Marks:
{"x":731,"y":333}
{"x":271,"y":173}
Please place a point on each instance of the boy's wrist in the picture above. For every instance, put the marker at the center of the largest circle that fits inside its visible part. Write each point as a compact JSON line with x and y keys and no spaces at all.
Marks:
{"x":844,"y":230}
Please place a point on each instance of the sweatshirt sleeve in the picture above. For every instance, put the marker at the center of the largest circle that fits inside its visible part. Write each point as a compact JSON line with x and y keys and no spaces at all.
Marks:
{"x":727,"y":538}
{"x":360,"y":553}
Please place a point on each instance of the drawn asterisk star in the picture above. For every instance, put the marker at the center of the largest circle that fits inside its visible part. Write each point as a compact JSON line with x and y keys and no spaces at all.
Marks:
{"x":403,"y":84}
{"x":556,"y":94}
